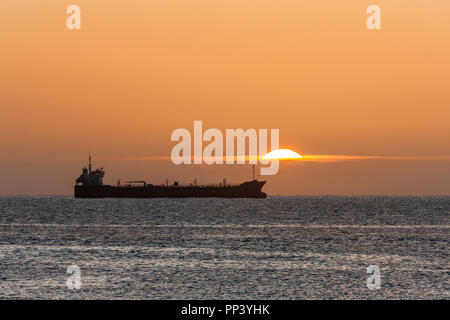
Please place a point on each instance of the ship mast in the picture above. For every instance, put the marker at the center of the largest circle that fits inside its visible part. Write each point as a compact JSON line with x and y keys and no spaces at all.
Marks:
{"x":90,"y":164}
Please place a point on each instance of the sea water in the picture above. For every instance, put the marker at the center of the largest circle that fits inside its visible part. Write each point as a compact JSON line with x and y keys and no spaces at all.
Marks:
{"x":274,"y":248}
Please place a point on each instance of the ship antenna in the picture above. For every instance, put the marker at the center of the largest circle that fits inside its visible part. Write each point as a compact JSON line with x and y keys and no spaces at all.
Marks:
{"x":253,"y":167}
{"x":90,"y":164}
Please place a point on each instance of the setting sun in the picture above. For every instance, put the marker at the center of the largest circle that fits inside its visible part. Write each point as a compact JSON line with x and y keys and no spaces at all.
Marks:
{"x":282,"y":154}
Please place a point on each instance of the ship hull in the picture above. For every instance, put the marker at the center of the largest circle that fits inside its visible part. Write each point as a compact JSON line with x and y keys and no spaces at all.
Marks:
{"x":251,"y":189}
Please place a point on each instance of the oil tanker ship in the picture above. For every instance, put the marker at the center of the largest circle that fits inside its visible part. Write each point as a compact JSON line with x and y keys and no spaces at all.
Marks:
{"x":90,"y":185}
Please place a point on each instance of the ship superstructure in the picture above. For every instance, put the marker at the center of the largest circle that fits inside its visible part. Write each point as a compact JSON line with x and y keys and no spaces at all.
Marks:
{"x":91,"y":177}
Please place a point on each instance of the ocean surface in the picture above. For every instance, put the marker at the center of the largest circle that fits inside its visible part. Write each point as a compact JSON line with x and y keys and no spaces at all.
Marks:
{"x":275,"y":248}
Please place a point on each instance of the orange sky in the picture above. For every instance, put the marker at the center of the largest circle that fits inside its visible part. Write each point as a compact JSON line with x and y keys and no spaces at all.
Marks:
{"x":139,"y":69}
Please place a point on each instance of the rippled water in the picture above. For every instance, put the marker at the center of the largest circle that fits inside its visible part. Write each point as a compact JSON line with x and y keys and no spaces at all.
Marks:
{"x":275,"y":248}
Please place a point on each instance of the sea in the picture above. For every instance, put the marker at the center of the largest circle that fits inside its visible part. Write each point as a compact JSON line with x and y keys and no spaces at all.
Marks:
{"x":324,"y":247}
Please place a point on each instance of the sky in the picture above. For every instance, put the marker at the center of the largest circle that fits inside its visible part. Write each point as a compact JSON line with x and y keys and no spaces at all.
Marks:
{"x":137,"y":70}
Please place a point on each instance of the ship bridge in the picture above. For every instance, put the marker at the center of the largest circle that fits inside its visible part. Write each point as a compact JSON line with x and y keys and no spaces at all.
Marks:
{"x":91,"y":177}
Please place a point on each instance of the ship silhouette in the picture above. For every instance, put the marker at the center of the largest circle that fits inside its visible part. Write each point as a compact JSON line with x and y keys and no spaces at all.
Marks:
{"x":90,"y":185}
